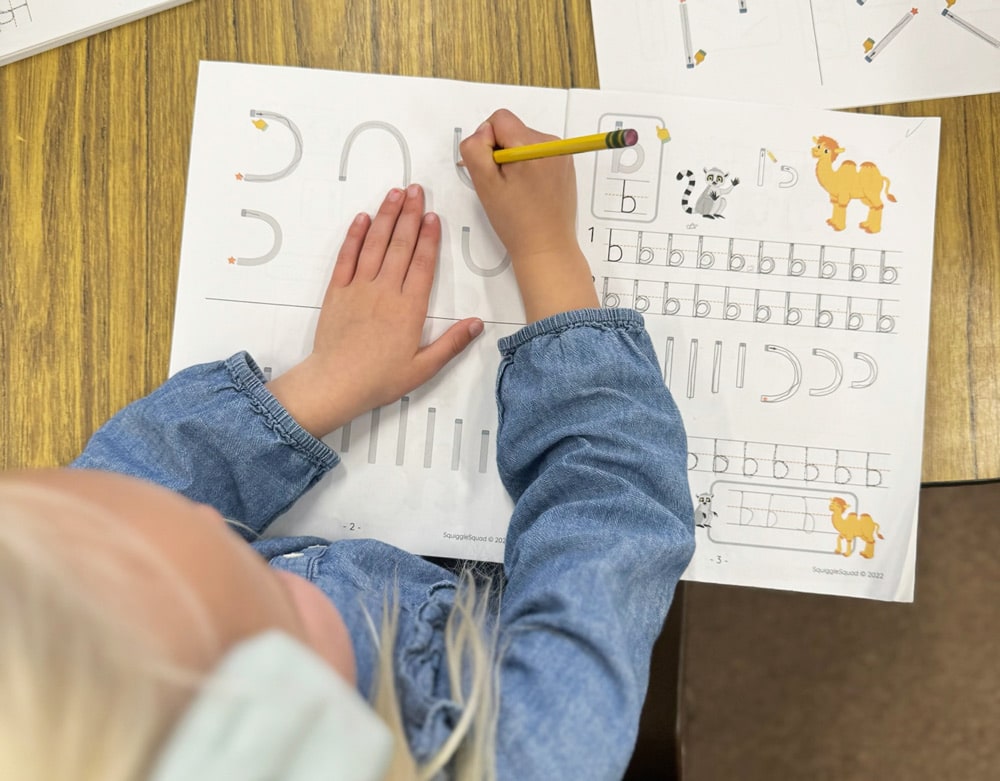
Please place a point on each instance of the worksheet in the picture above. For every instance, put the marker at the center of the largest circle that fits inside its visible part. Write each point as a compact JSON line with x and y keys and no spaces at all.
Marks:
{"x":781,"y":259}
{"x":824,"y":53}
{"x":28,"y":27}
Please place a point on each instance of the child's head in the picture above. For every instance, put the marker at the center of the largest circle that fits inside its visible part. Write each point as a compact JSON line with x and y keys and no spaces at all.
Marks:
{"x":124,"y":607}
{"x":117,"y":597}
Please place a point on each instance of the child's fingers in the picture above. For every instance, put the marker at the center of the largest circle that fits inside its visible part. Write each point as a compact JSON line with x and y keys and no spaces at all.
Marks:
{"x":420,"y":274}
{"x":510,"y":131}
{"x":452,"y":342}
{"x":405,"y":237}
{"x":477,"y":152}
{"x":380,"y":234}
{"x":347,"y":258}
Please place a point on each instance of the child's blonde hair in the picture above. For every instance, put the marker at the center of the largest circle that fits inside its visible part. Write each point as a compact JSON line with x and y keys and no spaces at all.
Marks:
{"x":473,"y":676}
{"x":89,"y":691}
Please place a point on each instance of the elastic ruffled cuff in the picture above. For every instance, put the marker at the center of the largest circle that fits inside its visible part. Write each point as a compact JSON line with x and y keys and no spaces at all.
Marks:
{"x":248,"y":379}
{"x":623,"y":319}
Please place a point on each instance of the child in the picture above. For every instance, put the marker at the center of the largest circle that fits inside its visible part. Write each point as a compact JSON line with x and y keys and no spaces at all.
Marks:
{"x":143,"y":639}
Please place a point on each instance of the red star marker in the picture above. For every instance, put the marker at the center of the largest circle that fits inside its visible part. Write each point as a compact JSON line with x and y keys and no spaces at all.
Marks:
{"x":232,"y":261}
{"x":239,"y":177}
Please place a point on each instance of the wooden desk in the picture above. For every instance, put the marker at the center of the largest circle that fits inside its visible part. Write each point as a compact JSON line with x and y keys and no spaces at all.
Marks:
{"x":93,"y":156}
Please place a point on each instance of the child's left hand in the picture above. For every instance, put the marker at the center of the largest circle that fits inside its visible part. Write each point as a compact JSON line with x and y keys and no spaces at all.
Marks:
{"x":367,"y":350}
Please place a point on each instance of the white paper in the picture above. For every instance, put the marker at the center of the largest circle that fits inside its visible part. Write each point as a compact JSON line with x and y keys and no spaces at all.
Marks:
{"x":796,"y":353}
{"x":28,"y":27}
{"x":824,"y":53}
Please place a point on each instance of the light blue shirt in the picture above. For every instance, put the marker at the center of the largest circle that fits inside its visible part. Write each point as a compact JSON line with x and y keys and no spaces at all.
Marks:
{"x":591,"y":448}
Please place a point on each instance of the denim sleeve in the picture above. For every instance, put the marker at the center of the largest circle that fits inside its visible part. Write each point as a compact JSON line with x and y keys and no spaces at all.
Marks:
{"x":592,"y":449}
{"x":215,"y":434}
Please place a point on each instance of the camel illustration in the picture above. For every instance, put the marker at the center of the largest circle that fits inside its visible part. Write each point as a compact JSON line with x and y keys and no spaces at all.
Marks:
{"x":850,"y":181}
{"x":853,"y":526}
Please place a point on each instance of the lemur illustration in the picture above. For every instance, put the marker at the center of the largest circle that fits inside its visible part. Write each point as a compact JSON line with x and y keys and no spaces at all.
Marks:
{"x":710,"y":203}
{"x":703,"y":512}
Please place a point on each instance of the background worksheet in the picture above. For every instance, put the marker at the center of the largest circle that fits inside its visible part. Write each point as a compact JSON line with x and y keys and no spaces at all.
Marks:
{"x":28,"y":27}
{"x":825,"y":53}
{"x":781,"y":259}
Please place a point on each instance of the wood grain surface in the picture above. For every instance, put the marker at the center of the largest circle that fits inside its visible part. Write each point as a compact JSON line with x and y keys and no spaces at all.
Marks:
{"x":94,"y":140}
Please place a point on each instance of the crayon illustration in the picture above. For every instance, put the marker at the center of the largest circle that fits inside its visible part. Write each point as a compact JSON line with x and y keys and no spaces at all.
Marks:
{"x":710,"y":203}
{"x":703,"y":512}
{"x":851,"y":526}
{"x":872,"y":49}
{"x":850,"y":181}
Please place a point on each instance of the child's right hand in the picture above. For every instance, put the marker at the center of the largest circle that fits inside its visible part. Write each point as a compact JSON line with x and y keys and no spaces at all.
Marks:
{"x":532,"y":207}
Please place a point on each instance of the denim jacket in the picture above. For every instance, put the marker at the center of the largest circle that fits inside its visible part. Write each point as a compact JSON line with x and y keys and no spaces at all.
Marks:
{"x":592,"y":450}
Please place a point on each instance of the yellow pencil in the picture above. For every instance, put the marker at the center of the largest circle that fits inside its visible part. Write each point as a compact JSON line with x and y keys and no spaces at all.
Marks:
{"x":616,"y":139}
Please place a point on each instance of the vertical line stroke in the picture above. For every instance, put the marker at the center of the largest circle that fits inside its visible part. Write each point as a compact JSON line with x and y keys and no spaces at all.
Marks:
{"x":429,"y":438}
{"x":692,"y":367}
{"x":484,"y":450}
{"x":686,"y":30}
{"x":716,"y":366}
{"x":456,"y":445}
{"x":819,"y":65}
{"x":404,"y":407}
{"x":373,"y":436}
